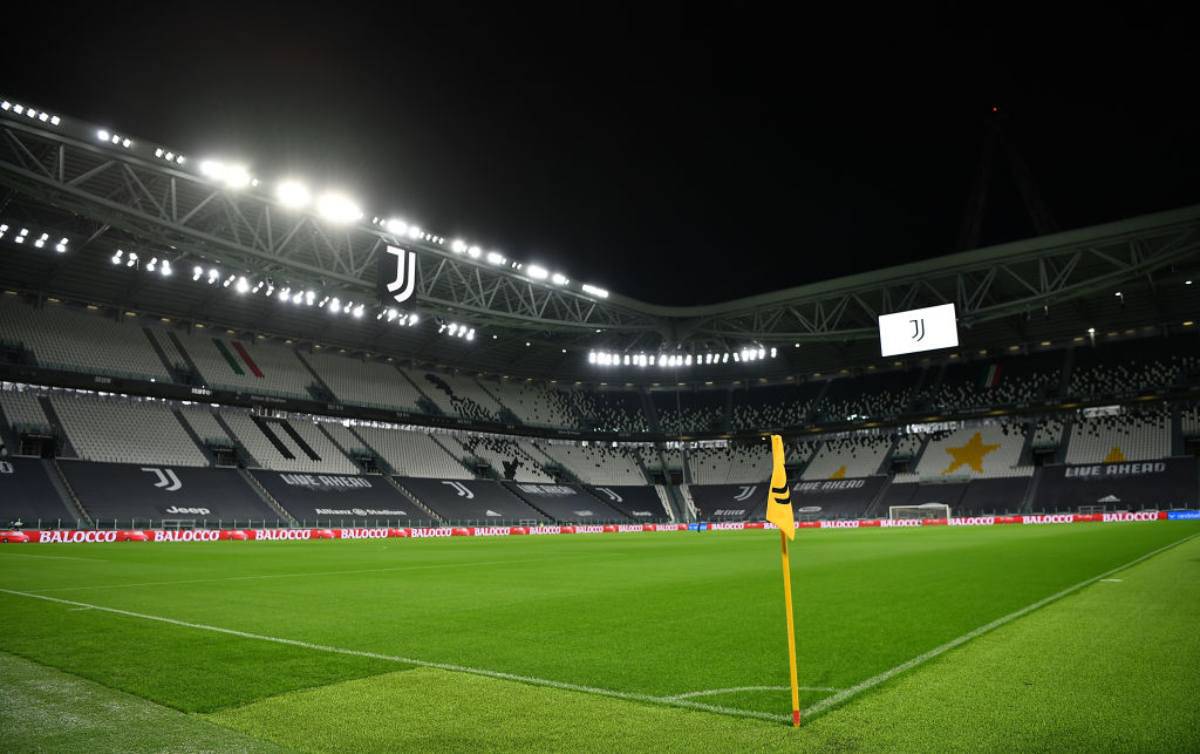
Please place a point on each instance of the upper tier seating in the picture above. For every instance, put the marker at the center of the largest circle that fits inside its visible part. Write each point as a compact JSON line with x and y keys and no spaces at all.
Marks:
{"x":684,"y":412}
{"x":533,"y":403}
{"x":868,"y":396}
{"x":374,"y":384}
{"x":456,"y":394}
{"x":774,"y":405}
{"x":1129,"y":367}
{"x":72,"y":339}
{"x":619,"y":412}
{"x":983,"y":384}
{"x":117,"y":430}
{"x":227,"y":362}
{"x":1133,"y":436}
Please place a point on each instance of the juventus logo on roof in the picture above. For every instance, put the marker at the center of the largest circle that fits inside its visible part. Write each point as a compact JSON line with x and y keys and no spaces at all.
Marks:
{"x":404,"y":275}
{"x":918,"y":332}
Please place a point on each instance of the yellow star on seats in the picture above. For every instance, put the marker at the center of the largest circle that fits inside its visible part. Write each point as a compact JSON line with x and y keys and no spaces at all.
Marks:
{"x":839,"y":474}
{"x":1114,"y":456}
{"x":970,"y":454}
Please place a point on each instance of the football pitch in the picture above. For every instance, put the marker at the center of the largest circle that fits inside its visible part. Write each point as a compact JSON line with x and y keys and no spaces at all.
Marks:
{"x":1074,"y":637}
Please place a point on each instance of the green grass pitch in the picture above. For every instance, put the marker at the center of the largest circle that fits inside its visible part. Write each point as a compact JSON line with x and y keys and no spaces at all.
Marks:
{"x":655,"y":641}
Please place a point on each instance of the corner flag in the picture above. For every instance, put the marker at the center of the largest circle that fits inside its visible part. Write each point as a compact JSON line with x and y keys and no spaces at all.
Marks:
{"x":779,"y":503}
{"x":779,"y":512}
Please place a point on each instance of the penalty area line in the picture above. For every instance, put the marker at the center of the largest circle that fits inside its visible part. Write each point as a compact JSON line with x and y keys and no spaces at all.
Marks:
{"x":449,"y":667}
{"x":846,"y":694}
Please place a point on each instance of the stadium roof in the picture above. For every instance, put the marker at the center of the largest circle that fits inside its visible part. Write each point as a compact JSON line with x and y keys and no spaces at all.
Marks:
{"x":105,"y":191}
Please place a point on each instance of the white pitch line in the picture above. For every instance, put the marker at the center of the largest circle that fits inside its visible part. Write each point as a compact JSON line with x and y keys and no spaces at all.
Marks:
{"x":736,"y":689}
{"x":627,"y":696}
{"x":921,"y":659}
{"x":50,"y":557}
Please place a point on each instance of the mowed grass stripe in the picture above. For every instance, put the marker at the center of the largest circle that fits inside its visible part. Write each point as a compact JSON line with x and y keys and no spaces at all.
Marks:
{"x":1109,"y":667}
{"x":671,"y":701}
{"x":846,"y":694}
{"x":43,"y":709}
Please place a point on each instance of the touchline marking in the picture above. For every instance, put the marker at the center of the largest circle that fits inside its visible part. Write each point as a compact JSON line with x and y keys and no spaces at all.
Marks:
{"x":736,"y":689}
{"x":921,"y":659}
{"x":449,"y":667}
{"x":1111,"y":581}
{"x":52,"y":557}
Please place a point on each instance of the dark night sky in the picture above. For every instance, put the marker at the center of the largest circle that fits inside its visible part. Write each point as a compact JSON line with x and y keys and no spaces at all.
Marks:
{"x":678,"y":155}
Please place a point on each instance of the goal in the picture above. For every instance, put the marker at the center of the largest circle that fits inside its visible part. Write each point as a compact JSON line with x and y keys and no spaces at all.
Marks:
{"x":924,"y":510}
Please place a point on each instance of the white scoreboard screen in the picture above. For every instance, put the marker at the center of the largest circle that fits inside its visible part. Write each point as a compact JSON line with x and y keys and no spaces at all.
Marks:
{"x":916,"y":330}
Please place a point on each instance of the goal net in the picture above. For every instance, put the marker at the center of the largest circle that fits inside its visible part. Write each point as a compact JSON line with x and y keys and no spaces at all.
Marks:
{"x":924,"y":510}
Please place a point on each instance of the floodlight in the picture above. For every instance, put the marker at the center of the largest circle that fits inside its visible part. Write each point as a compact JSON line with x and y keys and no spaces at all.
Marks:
{"x":102,"y":135}
{"x":559,"y":279}
{"x":293,"y":194}
{"x":335,"y":306}
{"x":495,"y":258}
{"x":593,"y":290}
{"x":338,"y":208}
{"x":474,"y":252}
{"x":536,"y":272}
{"x":358,"y":311}
{"x":396,"y":227}
{"x":414,"y":232}
{"x":243,"y":284}
{"x":458,"y":246}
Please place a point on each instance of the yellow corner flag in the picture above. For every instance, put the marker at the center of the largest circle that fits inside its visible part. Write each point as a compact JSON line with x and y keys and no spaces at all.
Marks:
{"x":779,"y":503}
{"x":779,"y":512}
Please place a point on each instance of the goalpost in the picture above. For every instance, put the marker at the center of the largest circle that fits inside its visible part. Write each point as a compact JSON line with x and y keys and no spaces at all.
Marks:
{"x":924,"y":510}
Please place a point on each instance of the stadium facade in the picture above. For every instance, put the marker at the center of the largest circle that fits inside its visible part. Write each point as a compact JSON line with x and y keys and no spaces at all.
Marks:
{"x":185,"y":344}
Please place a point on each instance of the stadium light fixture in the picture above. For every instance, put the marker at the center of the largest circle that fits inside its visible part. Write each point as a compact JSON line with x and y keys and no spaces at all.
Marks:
{"x":164,"y":269}
{"x":293,"y":194}
{"x":559,"y":279}
{"x":243,"y":284}
{"x":474,"y":252}
{"x":595,"y":291}
{"x":396,"y":226}
{"x":335,"y":306}
{"x":494,"y":257}
{"x":458,"y":246}
{"x":338,"y":208}
{"x":537,"y":272}
{"x":197,"y":272}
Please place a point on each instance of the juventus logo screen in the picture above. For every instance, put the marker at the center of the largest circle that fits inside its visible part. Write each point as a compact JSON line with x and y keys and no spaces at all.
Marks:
{"x":918,"y":330}
{"x":397,"y":274}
